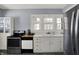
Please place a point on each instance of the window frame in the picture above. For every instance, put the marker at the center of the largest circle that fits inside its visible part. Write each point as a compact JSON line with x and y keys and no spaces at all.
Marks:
{"x":42,"y":16}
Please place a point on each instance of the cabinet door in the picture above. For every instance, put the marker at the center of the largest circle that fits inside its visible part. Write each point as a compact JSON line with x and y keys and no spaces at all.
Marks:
{"x":41,"y":45}
{"x":3,"y":41}
{"x":48,"y":44}
{"x":37,"y":45}
{"x":61,"y":45}
{"x":0,"y":41}
{"x":55,"y":44}
{"x":44,"y":44}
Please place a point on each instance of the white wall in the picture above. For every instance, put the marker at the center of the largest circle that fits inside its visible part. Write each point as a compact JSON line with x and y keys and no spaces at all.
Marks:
{"x":23,"y":16}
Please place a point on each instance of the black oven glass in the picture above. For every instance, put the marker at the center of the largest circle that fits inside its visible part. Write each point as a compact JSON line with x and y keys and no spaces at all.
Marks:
{"x":14,"y":42}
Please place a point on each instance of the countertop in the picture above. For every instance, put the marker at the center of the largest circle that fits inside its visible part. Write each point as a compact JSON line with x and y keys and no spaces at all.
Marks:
{"x":48,"y":35}
{"x":27,"y":36}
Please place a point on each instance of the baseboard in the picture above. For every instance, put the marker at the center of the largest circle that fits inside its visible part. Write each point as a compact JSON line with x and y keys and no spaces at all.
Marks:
{"x":26,"y":50}
{"x":2,"y":52}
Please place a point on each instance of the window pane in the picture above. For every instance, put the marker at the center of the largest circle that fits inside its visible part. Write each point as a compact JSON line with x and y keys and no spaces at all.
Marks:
{"x":59,"y":26}
{"x":37,"y":26}
{"x":51,"y":26}
{"x":48,"y":26}
{"x":1,"y":25}
{"x":48,"y":19}
{"x":7,"y":23}
{"x":58,"y":20}
{"x":37,"y":19}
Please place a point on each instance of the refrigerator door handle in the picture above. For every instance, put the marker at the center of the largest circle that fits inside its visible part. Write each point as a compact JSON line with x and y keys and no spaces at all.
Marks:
{"x":76,"y":32}
{"x":72,"y":26}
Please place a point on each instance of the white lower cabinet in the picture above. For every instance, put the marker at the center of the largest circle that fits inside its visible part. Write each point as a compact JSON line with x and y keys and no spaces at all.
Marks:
{"x":3,"y":41}
{"x":48,"y":44}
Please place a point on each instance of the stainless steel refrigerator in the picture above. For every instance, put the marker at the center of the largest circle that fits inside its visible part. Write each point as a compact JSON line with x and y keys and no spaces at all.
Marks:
{"x":72,"y":34}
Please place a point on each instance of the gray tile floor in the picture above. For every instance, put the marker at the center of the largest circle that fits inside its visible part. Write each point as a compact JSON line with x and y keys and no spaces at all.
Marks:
{"x":3,"y":52}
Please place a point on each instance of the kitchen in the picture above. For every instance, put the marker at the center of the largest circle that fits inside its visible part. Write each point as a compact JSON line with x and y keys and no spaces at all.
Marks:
{"x":35,"y":29}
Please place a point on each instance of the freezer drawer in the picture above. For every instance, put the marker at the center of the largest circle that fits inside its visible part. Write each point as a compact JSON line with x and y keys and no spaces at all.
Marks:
{"x":27,"y":44}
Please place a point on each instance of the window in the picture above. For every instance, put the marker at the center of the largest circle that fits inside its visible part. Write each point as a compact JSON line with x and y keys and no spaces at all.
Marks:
{"x":36,"y":23}
{"x":37,"y":26}
{"x":46,"y":23}
{"x":37,"y":19}
{"x":48,"y":27}
{"x":58,"y":23}
{"x":48,"y":20}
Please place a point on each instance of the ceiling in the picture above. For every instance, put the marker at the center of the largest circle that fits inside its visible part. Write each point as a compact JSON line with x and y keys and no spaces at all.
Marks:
{"x":32,"y":6}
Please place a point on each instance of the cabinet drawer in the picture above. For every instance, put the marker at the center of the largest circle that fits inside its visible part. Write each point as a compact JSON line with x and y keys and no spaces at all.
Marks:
{"x":27,"y":44}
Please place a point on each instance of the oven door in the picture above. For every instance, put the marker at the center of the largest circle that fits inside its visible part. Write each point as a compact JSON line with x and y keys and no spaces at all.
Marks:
{"x":14,"y":42}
